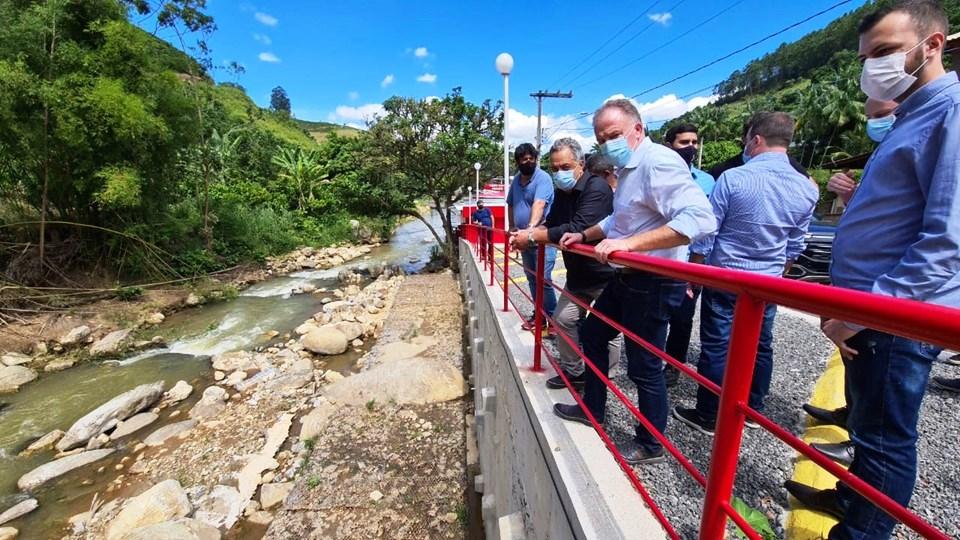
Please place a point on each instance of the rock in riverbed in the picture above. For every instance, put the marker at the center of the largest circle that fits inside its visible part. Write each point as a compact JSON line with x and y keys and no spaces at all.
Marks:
{"x":13,"y":377}
{"x":161,"y":435}
{"x":325,"y":341}
{"x":109,"y":344}
{"x":21,"y":509}
{"x":49,"y":471}
{"x":111,"y":412}
{"x":15,"y":359}
{"x":163,"y":502}
{"x":43,"y":443}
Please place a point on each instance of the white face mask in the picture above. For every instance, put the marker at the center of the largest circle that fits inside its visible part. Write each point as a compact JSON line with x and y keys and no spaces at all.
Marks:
{"x":886,"y":78}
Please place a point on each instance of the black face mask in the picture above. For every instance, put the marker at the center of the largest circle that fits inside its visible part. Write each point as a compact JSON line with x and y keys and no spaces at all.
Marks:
{"x":687,"y":153}
{"x":527,"y":169}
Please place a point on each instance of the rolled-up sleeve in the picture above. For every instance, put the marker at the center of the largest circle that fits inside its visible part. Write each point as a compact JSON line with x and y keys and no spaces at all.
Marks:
{"x":719,"y":199}
{"x":675,"y":195}
{"x":932,"y":262}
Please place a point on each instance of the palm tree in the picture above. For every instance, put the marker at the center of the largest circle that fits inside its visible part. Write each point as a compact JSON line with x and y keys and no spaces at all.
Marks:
{"x":302,"y":168}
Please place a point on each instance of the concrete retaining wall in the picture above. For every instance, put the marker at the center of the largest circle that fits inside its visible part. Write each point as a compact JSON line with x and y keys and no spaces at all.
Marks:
{"x":542,"y":478}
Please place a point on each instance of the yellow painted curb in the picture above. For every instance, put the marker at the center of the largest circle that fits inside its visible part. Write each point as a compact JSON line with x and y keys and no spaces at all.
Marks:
{"x":803,"y":524}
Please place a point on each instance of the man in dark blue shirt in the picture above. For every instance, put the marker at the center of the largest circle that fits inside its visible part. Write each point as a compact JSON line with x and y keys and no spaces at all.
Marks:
{"x":482,"y":216}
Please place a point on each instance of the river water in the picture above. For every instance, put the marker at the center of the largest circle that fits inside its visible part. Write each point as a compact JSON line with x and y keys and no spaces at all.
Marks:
{"x":56,"y":400}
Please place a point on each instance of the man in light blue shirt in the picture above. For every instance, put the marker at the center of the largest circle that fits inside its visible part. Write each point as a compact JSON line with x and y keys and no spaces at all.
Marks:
{"x":900,"y":236}
{"x":528,"y":203}
{"x":684,"y":139}
{"x":763,"y":210}
{"x":657,"y":210}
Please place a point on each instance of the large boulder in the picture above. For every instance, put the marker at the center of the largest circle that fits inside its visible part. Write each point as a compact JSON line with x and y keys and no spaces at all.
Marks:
{"x":43,"y":443}
{"x":177,"y":529}
{"x":163,"y":502}
{"x":20,"y":509}
{"x":233,"y":361}
{"x":8,"y":533}
{"x":12,"y":377}
{"x":111,"y":412}
{"x":161,"y":435}
{"x":179,"y":392}
{"x":15,"y":359}
{"x":350,"y":330}
{"x":59,"y":467}
{"x":109,"y":344}
{"x":133,"y":424}
{"x":210,"y":404}
{"x":75,"y":336}
{"x":325,"y":341}
{"x":298,"y":376}
{"x":220,"y":508}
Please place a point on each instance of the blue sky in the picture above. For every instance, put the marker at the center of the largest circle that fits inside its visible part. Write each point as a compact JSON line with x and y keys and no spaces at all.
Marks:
{"x":339,"y":60}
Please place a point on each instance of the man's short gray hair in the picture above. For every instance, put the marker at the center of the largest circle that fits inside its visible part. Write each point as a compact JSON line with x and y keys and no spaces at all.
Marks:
{"x":569,"y":144}
{"x":624,"y":105}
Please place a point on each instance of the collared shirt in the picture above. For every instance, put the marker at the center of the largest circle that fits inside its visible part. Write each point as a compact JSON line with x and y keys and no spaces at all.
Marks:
{"x":703,"y":179}
{"x":590,"y":200}
{"x":763,"y":210}
{"x":737,"y":161}
{"x":900,"y":234}
{"x":521,"y":197}
{"x":483,"y":217}
{"x":656,"y":189}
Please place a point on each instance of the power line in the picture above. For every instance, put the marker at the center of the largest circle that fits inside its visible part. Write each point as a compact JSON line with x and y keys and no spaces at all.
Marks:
{"x":665,"y":44}
{"x":607,"y":42}
{"x":740,"y":50}
{"x":622,"y":45}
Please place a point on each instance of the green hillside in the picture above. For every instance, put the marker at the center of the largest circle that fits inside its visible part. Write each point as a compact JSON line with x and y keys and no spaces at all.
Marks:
{"x":815,"y":78}
{"x":321,"y":130}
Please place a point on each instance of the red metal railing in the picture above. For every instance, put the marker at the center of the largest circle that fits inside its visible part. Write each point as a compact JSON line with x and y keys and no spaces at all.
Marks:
{"x":915,"y":320}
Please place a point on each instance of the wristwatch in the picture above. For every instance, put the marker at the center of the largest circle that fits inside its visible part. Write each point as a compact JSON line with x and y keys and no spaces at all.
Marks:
{"x":530,"y":237}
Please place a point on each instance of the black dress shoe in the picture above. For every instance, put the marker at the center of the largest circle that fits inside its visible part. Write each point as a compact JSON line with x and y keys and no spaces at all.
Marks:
{"x":634,"y":455}
{"x":556,"y":383}
{"x":818,"y":500}
{"x":572,"y":413}
{"x":943,"y":383}
{"x":842,"y":453}
{"x":692,"y":418}
{"x":836,"y":417}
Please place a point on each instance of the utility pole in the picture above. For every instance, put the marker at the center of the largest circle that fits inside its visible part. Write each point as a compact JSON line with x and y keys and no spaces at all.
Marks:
{"x":539,"y":97}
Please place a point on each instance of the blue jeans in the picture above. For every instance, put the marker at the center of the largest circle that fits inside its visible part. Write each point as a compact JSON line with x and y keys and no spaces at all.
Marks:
{"x":681,"y":327}
{"x":643,"y":304}
{"x":529,"y":257}
{"x":887,"y":379}
{"x":716,"y":322}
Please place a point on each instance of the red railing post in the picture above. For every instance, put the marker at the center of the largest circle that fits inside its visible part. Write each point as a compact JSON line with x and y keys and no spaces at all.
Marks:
{"x":538,"y":309}
{"x":741,"y":358}
{"x":506,"y":271}
{"x":488,"y":247}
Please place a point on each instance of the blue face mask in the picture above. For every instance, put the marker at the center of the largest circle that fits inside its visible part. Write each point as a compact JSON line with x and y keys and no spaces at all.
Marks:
{"x":877,"y":128}
{"x":564,"y":180}
{"x":618,"y":150}
{"x":746,"y":156}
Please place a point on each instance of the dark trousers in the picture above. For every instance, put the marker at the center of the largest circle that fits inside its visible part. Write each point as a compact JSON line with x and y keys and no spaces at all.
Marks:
{"x":887,"y":380}
{"x":484,"y":240}
{"x":716,"y":322}
{"x":643,"y":304}
{"x":681,"y":327}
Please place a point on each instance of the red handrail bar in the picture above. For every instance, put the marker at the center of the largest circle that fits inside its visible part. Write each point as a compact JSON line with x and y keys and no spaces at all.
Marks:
{"x":925,"y":322}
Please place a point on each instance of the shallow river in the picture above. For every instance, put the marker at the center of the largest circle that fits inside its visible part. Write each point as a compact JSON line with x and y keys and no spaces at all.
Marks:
{"x":56,"y":400}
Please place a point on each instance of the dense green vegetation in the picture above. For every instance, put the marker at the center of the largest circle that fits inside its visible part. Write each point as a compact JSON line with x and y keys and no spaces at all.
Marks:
{"x":815,"y":78}
{"x":121,"y":159}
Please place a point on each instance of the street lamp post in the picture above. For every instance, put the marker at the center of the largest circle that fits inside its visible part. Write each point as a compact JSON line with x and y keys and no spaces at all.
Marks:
{"x":504,"y":65}
{"x":476,"y":167}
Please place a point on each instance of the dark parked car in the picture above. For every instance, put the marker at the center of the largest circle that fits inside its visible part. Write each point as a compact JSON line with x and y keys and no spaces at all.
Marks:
{"x":814,"y":263}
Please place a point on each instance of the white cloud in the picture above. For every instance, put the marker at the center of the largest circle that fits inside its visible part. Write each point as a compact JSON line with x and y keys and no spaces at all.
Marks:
{"x":265,"y":18}
{"x":353,"y":95}
{"x":387,"y":81}
{"x":523,"y":128}
{"x":262,"y":38}
{"x":431,"y":99}
{"x":670,"y":106}
{"x":660,"y":18}
{"x":363,"y":113}
{"x":269,"y":57}
{"x":428,"y":78}
{"x":421,"y":52}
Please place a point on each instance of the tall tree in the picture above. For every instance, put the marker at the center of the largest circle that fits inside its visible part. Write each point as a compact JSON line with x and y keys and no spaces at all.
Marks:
{"x":279,"y":101}
{"x":427,"y":148}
